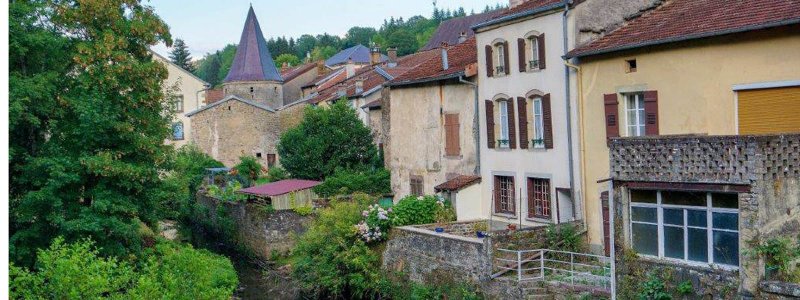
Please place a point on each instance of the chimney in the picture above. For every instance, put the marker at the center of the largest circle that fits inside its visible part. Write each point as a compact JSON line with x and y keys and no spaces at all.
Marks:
{"x":284,"y":67}
{"x":514,"y":3}
{"x":375,"y":55}
{"x":308,"y":56}
{"x":445,"y":65}
{"x":360,"y":84}
{"x":392,"y":54}
{"x":462,"y":37}
{"x":321,"y":69}
{"x":350,"y":68}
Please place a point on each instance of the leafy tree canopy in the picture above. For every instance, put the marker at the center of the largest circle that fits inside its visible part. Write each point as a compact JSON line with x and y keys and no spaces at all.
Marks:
{"x":289,"y":59}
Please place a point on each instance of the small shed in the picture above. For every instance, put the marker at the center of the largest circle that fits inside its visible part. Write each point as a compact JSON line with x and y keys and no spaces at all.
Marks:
{"x":285,"y":194}
{"x":464,"y":192}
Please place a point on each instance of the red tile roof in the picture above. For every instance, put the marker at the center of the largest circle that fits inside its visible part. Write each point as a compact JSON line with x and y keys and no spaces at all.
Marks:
{"x":522,"y":10}
{"x":458,"y":58}
{"x":280,"y":187}
{"x":679,"y":20}
{"x":292,"y":73}
{"x":458,"y":182}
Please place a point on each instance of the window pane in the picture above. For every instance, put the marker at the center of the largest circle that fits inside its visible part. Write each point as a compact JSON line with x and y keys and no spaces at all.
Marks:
{"x":673,"y":242}
{"x":673,"y":216}
{"x":725,"y":221}
{"x":725,"y":200}
{"x":643,"y":196}
{"x":683,"y":198}
{"x":645,"y":238}
{"x":726,"y":248}
{"x":698,"y":244}
{"x":644,"y":214}
{"x":696,"y":218}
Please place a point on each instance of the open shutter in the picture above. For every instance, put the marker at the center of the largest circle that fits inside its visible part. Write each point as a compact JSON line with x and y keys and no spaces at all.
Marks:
{"x":521,"y":54}
{"x":505,"y":58}
{"x":540,"y":39}
{"x":489,"y":63}
{"x":512,"y":130}
{"x":496,"y":190}
{"x":490,"y":124}
{"x":611,"y":108}
{"x":522,"y":104}
{"x":651,"y":113}
{"x":547,"y":122}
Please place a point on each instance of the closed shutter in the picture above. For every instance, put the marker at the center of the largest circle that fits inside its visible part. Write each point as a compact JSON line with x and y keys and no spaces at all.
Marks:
{"x":452,"y":142}
{"x":521,"y":54}
{"x":505,"y":58}
{"x":540,"y":39}
{"x":775,"y":110}
{"x":490,"y":124}
{"x":489,"y":63}
{"x":512,"y":130}
{"x":547,"y":122}
{"x":611,"y":109}
{"x":651,"y":113}
{"x":522,"y":104}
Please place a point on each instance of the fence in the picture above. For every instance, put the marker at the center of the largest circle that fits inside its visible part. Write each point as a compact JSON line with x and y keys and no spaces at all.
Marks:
{"x":576,"y":269}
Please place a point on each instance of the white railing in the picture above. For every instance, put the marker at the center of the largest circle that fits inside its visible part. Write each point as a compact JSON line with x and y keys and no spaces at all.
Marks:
{"x":553,"y":265}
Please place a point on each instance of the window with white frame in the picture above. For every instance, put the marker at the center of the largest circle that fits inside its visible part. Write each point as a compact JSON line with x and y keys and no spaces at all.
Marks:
{"x":634,"y":112}
{"x":177,"y":103}
{"x":538,"y":124}
{"x":698,"y":227}
{"x":503,"y":141}
{"x":533,"y":64}
{"x":500,"y":65}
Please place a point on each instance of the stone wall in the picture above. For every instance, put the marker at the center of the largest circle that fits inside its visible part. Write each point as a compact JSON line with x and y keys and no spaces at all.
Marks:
{"x":292,"y":89}
{"x":269,"y":93}
{"x":291,"y":115}
{"x":774,"y":290}
{"x":595,"y":18}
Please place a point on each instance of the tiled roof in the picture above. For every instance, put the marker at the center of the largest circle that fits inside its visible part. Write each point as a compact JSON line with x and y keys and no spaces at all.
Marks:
{"x":374,"y":104}
{"x":292,"y":73}
{"x":458,"y":58}
{"x":525,"y":9}
{"x":252,"y":62}
{"x":358,"y":53}
{"x":280,"y":187}
{"x":679,"y":20}
{"x":458,"y":182}
{"x":449,"y":31}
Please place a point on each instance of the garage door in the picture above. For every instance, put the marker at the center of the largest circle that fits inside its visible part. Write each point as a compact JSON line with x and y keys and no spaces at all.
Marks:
{"x":775,"y":110}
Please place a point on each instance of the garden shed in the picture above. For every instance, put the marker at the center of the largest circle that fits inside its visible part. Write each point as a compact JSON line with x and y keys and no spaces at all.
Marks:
{"x":285,"y":194}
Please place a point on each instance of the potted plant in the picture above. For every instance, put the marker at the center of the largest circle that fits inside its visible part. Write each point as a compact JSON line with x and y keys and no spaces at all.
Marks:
{"x":443,"y":215}
{"x":480,"y":228}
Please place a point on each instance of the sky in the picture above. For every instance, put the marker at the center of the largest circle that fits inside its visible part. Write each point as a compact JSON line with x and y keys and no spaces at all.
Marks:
{"x":209,"y":25}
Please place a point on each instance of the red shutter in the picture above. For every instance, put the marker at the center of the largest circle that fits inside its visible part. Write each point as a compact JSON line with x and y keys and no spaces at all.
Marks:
{"x":521,"y":54}
{"x":505,"y":58}
{"x":547,"y":122}
{"x":490,"y":124}
{"x":512,"y":128}
{"x":540,"y":38}
{"x":523,"y":122}
{"x":612,"y":109}
{"x":531,"y":205}
{"x":651,"y":113}
{"x":489,"y":64}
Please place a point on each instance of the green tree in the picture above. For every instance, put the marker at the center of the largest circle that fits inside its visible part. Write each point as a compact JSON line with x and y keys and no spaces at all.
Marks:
{"x":404,"y":41}
{"x":322,"y":53}
{"x":97,"y":174}
{"x":209,"y":69}
{"x":326,"y":139}
{"x":358,"y":35}
{"x":180,"y":55}
{"x":290,"y":59}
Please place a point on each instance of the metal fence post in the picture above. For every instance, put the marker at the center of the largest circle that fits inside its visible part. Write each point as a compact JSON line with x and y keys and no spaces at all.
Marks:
{"x":519,"y":265}
{"x":572,"y":268}
{"x":541,"y":263}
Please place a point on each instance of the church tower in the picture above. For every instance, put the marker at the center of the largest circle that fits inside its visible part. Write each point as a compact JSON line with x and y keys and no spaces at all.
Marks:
{"x":253,"y":75}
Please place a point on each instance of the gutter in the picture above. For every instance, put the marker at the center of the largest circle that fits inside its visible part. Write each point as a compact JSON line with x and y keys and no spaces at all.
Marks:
{"x":425,"y":80}
{"x":567,"y":99}
{"x":519,"y":15}
{"x":476,"y":124}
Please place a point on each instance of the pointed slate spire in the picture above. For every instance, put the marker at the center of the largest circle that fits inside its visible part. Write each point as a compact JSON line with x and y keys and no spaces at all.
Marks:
{"x":252,"y":62}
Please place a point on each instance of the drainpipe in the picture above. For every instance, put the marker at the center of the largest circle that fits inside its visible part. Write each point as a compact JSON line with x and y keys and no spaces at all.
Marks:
{"x":564,"y":22}
{"x":581,"y":133}
{"x":197,"y":96}
{"x":612,"y":233}
{"x":475,"y":124}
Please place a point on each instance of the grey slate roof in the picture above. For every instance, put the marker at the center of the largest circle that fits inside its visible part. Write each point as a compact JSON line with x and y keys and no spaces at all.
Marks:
{"x":449,"y":31}
{"x":359,"y":53}
{"x":252,"y":62}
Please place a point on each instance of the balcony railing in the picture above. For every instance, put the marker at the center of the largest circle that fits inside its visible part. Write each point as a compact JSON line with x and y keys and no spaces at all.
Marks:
{"x":500,"y":70}
{"x":533,"y":64}
{"x":502,"y":143}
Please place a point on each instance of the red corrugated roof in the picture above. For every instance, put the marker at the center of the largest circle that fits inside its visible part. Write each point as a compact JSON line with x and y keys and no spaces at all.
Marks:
{"x":280,"y":187}
{"x":679,"y":20}
{"x":458,"y":58}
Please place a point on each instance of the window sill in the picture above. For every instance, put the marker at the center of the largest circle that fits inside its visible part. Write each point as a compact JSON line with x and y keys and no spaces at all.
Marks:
{"x":686,"y":263}
{"x":537,"y":149}
{"x":454,"y":156}
{"x":503,"y":149}
{"x":537,"y":70}
{"x":539,"y":220}
{"x":506,"y":215}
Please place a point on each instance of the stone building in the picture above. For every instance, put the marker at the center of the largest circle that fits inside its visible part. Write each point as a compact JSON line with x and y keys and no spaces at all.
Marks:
{"x":186,"y":93}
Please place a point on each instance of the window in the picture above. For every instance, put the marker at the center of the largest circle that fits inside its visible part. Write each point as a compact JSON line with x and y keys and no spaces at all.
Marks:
{"x":251,"y":90}
{"x":177,"y":131}
{"x":538,"y":124}
{"x":258,"y":154}
{"x":635,"y":114}
{"x":630,"y":66}
{"x":417,"y":188}
{"x":452,"y":146}
{"x":504,"y":194}
{"x":177,"y":103}
{"x":503,"y":141}
{"x":501,"y":59}
{"x":533,"y":64}
{"x":538,"y":198}
{"x":692,"y":226}
{"x":270,"y":160}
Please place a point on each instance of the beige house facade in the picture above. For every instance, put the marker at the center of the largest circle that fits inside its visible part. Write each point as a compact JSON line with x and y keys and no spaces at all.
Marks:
{"x":186,"y":93}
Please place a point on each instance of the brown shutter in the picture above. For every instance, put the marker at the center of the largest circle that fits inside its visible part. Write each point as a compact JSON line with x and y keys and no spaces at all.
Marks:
{"x":496,"y":193}
{"x":547,"y":122}
{"x":523,"y":122}
{"x":540,"y":38}
{"x":512,"y":130}
{"x":612,"y":122}
{"x":651,"y":112}
{"x":452,"y":144}
{"x":531,"y":205}
{"x":489,"y":64}
{"x":505,"y":57}
{"x":490,"y":124}
{"x":521,"y":54}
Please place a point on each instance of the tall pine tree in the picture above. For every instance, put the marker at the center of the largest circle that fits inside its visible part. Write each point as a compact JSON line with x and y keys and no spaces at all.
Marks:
{"x":180,"y":55}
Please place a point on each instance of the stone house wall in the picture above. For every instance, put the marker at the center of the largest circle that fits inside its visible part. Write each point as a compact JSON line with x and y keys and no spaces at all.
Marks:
{"x":264,"y":92}
{"x":374,"y":117}
{"x":291,"y":115}
{"x":292,"y":89}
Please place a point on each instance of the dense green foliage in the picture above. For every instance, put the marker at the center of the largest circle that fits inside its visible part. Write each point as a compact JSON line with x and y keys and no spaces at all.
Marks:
{"x":416,"y":210}
{"x":215,"y":66}
{"x":249,"y":168}
{"x":346,"y":182}
{"x":168,"y":271}
{"x":180,"y":55}
{"x":188,"y":172}
{"x":286,"y":59}
{"x":326,"y":139}
{"x":780,"y":257}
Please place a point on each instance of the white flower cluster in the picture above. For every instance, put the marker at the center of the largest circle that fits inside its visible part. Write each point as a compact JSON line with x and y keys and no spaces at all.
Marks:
{"x":372,"y":233}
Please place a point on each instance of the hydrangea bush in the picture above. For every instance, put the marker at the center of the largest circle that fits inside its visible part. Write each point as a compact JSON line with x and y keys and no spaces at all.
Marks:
{"x":375,"y":225}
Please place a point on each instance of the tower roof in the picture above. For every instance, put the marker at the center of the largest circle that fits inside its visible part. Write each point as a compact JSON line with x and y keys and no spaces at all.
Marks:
{"x":252,"y":62}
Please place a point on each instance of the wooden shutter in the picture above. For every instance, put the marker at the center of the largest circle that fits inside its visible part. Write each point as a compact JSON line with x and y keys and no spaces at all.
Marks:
{"x":531,"y":205}
{"x":489,"y":63}
{"x":651,"y":113}
{"x":505,"y":58}
{"x":522,"y":104}
{"x":540,"y":39}
{"x":521,"y":54}
{"x":490,"y":124}
{"x":452,"y":143}
{"x":547,"y":122}
{"x":611,"y":108}
{"x":496,"y":193}
{"x":512,"y":130}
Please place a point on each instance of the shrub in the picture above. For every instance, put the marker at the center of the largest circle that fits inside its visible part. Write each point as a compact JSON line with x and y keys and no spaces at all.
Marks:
{"x":277,"y":174}
{"x":345,"y":182}
{"x":228,"y":193}
{"x":375,"y":225}
{"x":415,"y":210}
{"x":182,"y":183}
{"x":249,"y":167}
{"x":780,"y":256}
{"x":653,"y":289}
{"x":303,"y":210}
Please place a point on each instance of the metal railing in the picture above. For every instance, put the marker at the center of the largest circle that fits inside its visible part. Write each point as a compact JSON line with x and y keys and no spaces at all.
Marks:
{"x":553,"y":265}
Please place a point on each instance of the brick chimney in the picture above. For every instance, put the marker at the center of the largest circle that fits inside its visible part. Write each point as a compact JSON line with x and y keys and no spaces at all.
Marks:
{"x":392,"y":53}
{"x":514,"y":3}
{"x":375,"y":55}
{"x":350,"y":68}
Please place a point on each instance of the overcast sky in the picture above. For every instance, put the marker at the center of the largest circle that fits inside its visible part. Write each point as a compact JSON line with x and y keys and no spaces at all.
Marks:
{"x":209,"y":25}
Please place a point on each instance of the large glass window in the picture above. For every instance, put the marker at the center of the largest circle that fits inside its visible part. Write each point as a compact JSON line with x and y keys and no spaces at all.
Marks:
{"x":503,"y":141}
{"x":538,"y":197}
{"x":538,"y":123}
{"x":692,"y":226}
{"x":504,"y":191}
{"x":635,"y":114}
